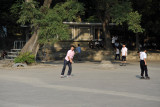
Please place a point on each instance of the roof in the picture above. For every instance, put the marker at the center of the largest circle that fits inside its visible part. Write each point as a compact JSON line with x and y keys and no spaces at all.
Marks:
{"x":84,"y":23}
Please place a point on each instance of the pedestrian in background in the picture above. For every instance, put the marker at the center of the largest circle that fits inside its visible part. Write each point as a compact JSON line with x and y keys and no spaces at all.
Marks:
{"x":124,"y":55}
{"x":78,"y":50}
{"x":117,"y":54}
{"x":113,"y":41}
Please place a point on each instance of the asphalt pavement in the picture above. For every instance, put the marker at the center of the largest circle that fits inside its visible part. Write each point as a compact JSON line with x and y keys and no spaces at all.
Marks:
{"x":90,"y":86}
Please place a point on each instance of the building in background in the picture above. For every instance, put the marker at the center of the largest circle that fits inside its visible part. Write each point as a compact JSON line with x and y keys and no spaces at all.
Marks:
{"x":86,"y":31}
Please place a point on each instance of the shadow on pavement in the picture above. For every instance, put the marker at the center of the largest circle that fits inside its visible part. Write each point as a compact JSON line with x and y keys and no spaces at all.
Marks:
{"x":138,"y":76}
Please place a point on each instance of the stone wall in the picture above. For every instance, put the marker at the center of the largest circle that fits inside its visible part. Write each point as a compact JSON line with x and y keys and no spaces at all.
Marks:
{"x":152,"y":56}
{"x":59,"y":50}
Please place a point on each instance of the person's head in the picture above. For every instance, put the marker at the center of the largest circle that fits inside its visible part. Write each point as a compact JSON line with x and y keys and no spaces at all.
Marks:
{"x":72,"y":47}
{"x":78,"y":44}
{"x":124,"y":45}
{"x":143,"y":50}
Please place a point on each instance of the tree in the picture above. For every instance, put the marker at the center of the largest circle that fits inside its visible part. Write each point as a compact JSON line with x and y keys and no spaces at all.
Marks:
{"x":134,"y":20}
{"x":48,"y":22}
{"x":116,"y":11}
{"x":149,"y":9}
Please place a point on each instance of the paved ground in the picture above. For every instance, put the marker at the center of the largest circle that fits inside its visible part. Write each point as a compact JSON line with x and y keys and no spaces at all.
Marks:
{"x":90,"y":86}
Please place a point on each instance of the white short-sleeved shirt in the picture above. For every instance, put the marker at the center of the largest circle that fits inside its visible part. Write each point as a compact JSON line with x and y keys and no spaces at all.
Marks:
{"x":124,"y":51}
{"x":143,"y":55}
{"x":117,"y":51}
{"x":113,"y":40}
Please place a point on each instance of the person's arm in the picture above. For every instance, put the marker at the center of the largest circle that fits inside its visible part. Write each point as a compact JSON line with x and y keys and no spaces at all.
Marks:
{"x":70,"y":59}
{"x":121,"y":52}
{"x":145,"y":56}
{"x":126,"y":52}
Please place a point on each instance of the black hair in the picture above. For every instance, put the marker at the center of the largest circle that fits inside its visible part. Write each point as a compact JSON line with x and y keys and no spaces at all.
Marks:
{"x":143,"y":49}
{"x":78,"y":44}
{"x":72,"y":46}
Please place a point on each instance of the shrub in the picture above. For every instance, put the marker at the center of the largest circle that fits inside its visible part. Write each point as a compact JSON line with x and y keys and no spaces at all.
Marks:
{"x":25,"y":58}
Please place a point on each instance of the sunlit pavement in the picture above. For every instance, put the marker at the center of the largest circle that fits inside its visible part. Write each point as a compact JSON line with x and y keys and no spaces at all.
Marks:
{"x":89,"y":86}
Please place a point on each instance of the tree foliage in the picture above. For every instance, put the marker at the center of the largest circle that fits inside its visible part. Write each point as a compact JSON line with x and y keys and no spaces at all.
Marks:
{"x":116,"y":11}
{"x":134,"y":20}
{"x":119,"y":12}
{"x":149,"y":9}
{"x":49,"y":21}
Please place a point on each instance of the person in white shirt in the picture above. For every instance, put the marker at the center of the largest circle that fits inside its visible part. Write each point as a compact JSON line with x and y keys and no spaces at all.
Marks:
{"x":113,"y":40}
{"x":124,"y":55}
{"x":143,"y":64}
{"x":117,"y":53}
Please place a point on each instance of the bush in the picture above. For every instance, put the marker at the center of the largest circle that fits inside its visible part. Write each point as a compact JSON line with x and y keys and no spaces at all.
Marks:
{"x":25,"y":58}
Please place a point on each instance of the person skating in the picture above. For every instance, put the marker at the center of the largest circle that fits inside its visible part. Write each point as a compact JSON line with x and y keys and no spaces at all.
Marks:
{"x":143,"y":64}
{"x":68,"y":61}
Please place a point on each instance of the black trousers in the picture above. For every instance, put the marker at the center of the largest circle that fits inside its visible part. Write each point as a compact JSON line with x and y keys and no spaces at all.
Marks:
{"x":64,"y":67}
{"x":143,"y":68}
{"x":117,"y":55}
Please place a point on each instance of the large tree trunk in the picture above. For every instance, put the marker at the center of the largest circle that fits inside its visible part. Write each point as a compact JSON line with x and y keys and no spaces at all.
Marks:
{"x":28,"y":0}
{"x":107,"y":34}
{"x":32,"y":44}
{"x":47,"y":3}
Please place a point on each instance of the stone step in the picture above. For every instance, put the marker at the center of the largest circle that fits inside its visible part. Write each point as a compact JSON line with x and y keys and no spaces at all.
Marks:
{"x":17,"y":50}
{"x":11,"y":56}
{"x":11,"y":53}
{"x":9,"y":59}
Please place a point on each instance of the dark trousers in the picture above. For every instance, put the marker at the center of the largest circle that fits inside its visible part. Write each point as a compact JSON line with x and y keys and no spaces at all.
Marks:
{"x":117,"y":55}
{"x":113,"y":45}
{"x":64,"y":67}
{"x":143,"y":68}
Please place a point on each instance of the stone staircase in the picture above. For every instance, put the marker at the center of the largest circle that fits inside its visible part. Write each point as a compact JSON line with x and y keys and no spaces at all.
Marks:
{"x":13,"y":54}
{"x":18,"y":45}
